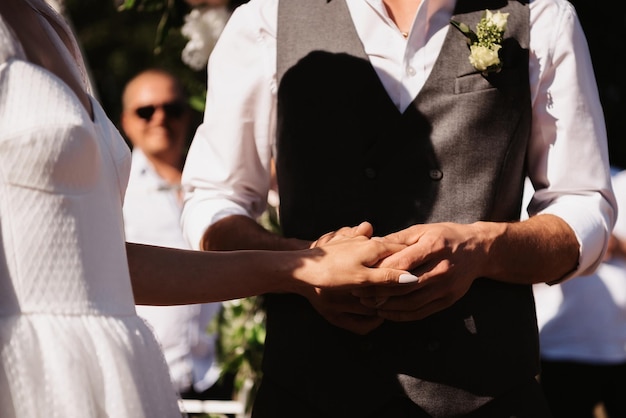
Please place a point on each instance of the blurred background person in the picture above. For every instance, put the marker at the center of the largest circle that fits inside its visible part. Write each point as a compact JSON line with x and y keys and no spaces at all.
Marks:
{"x":582,"y":324}
{"x":157,"y":120}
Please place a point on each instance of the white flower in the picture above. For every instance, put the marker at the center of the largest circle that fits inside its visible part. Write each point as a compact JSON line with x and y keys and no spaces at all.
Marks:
{"x":202,"y":27}
{"x":486,"y":42}
{"x":497,"y":19}
{"x":482,"y":57}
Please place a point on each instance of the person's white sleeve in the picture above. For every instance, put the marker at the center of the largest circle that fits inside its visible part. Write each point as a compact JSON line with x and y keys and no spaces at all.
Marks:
{"x":568,"y":155}
{"x":227,"y":170}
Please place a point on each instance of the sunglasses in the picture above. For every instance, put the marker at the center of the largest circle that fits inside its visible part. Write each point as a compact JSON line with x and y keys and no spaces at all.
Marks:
{"x":171,"y":110}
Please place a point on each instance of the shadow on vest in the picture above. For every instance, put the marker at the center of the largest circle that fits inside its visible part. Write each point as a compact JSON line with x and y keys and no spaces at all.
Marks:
{"x":345,"y":154}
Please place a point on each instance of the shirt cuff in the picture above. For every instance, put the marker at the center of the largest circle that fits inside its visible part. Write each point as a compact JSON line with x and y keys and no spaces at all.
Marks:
{"x":592,"y":233}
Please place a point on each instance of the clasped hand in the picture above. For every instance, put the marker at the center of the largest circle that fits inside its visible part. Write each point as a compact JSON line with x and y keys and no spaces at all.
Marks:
{"x":445,"y":256}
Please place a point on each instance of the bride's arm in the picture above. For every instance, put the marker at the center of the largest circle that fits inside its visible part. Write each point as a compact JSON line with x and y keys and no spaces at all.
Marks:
{"x":166,"y":276}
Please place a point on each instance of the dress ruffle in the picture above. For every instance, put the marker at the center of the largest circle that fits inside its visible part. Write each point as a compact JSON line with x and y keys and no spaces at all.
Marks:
{"x":82,"y":366}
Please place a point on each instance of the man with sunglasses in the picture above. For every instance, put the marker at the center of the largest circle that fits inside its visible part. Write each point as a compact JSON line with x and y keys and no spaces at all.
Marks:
{"x":156,"y":120}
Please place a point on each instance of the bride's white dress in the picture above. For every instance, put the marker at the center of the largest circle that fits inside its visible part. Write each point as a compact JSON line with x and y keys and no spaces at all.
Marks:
{"x":71,"y":344}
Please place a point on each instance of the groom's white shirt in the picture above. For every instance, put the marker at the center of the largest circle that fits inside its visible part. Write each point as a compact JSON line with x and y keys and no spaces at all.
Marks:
{"x":227,"y":169}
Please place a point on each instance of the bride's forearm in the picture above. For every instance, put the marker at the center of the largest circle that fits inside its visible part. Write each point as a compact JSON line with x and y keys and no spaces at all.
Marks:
{"x":167,"y":276}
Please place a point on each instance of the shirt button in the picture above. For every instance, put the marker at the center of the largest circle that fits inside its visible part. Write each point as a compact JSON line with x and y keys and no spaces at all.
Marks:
{"x":370,"y":173}
{"x":435,"y":174}
{"x":410,"y":71}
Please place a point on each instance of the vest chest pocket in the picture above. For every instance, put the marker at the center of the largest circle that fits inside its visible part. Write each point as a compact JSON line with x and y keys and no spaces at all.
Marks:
{"x":505,"y":80}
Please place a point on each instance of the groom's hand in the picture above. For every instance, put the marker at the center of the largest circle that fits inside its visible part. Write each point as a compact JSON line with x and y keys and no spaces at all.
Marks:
{"x":344,"y":310}
{"x":364,"y":229}
{"x":445,"y":258}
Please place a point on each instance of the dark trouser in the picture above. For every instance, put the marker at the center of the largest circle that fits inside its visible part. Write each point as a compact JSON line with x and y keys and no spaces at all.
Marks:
{"x":525,"y":401}
{"x":574,"y":389}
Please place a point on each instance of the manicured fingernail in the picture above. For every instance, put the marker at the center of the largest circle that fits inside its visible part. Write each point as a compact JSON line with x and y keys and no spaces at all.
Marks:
{"x":408,"y":278}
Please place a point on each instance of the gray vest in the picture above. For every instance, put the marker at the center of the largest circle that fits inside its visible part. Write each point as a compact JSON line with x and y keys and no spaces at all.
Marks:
{"x":346,"y":154}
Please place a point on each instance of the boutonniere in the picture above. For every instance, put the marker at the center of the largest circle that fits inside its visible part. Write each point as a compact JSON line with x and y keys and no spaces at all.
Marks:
{"x":485,"y":43}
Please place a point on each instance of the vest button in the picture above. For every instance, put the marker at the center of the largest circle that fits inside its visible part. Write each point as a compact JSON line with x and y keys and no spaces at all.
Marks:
{"x":435,"y":174}
{"x":370,"y":173}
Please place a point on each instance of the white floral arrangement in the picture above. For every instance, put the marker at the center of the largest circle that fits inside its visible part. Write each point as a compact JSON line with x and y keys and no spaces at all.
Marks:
{"x":486,"y":42}
{"x":203,"y":26}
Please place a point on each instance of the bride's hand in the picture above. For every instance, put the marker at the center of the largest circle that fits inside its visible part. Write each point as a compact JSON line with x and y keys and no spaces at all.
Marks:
{"x":348,"y":258}
{"x":344,"y":260}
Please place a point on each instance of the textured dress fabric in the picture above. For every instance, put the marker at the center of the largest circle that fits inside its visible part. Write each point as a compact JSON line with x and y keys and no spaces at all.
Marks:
{"x":71,"y":344}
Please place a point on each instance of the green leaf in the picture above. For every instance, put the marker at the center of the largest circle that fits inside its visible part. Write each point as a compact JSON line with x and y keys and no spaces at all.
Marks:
{"x":197,"y":103}
{"x":465,"y":30}
{"x":162,"y":30}
{"x":127,"y":5}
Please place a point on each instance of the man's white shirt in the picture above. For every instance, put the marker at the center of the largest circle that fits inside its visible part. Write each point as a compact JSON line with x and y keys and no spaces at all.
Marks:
{"x":227,"y":169}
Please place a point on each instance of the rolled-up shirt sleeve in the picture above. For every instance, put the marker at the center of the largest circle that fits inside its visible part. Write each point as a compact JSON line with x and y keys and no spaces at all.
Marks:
{"x":567,"y":158}
{"x":227,"y":170}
